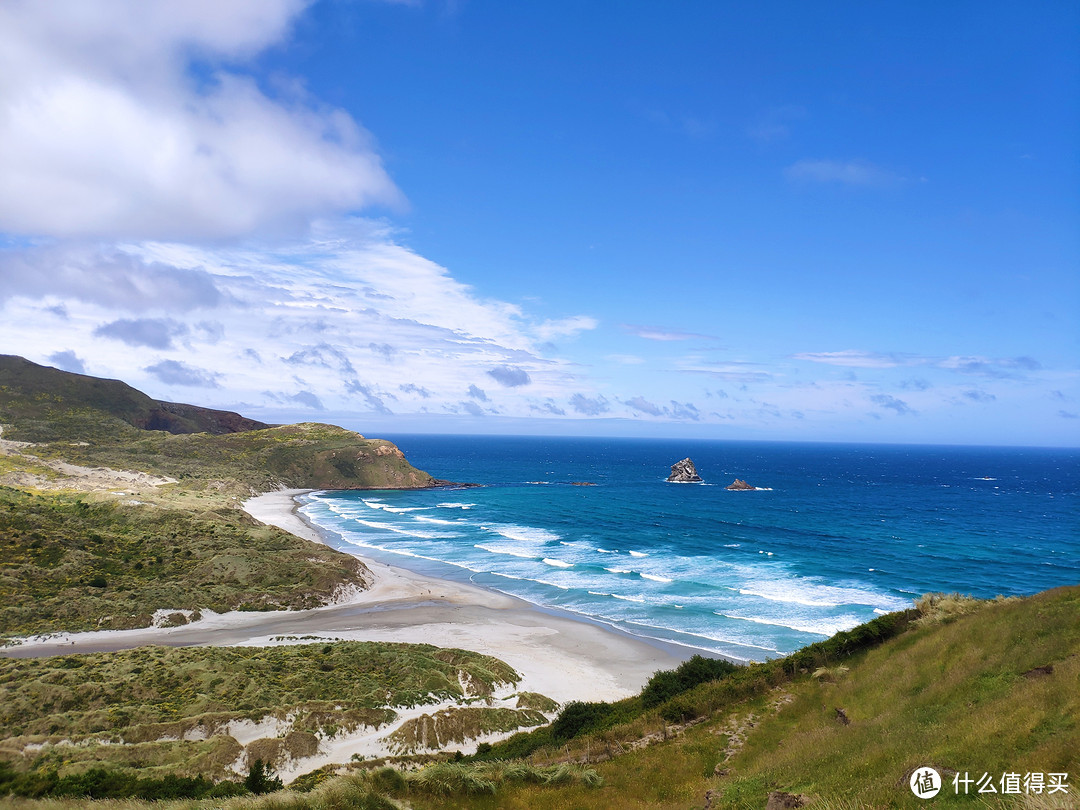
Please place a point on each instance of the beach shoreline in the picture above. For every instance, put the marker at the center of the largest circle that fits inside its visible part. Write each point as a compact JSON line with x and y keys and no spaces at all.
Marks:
{"x":566,"y":658}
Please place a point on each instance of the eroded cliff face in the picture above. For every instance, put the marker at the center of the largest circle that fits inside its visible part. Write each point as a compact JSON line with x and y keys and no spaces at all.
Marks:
{"x":684,"y":472}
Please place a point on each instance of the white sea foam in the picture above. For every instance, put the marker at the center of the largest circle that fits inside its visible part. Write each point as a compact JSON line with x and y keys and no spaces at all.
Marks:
{"x":639,"y":554}
{"x":387,"y":527}
{"x":656,"y":578}
{"x":607,"y":551}
{"x":405,"y":508}
{"x":425,"y":519}
{"x":813,"y":594}
{"x":558,"y":563}
{"x":551,"y":584}
{"x":511,"y":551}
{"x":529,"y":534}
{"x":455,"y":505}
{"x":509,"y":576}
{"x":619,"y":570}
{"x":629,"y":598}
{"x":823,"y":628}
{"x":720,"y":639}
{"x":784,"y":597}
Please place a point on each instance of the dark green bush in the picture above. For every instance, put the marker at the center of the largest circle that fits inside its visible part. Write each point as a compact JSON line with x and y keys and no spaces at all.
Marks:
{"x":667,"y":684}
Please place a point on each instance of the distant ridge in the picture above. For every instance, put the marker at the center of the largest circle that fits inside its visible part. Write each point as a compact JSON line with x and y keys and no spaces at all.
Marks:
{"x":32,"y":393}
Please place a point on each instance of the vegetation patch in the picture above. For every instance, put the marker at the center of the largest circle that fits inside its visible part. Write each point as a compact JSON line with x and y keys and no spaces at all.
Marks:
{"x":179,"y":708}
{"x":433,"y":732}
{"x":71,"y":563}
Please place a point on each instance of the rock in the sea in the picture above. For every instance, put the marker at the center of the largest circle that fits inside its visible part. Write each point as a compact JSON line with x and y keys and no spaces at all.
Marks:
{"x":739,"y":485}
{"x":684,"y":472}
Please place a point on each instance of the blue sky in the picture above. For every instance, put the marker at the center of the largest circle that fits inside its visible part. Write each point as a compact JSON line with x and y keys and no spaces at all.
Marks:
{"x":838,"y":222}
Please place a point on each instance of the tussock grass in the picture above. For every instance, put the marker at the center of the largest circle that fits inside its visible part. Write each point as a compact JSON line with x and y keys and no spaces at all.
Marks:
{"x":456,"y":725}
{"x":969,"y":694}
{"x":144,"y":697}
{"x":938,"y":608}
{"x":72,"y":563}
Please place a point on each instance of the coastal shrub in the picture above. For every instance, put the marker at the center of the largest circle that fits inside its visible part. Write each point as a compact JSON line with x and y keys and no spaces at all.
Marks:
{"x":261,"y":778}
{"x":517,"y":746}
{"x":579,"y":717}
{"x":849,"y":642}
{"x":101,"y":783}
{"x":666,"y":684}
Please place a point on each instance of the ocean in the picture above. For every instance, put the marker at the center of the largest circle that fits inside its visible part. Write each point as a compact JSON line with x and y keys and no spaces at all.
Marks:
{"x":834,"y":536}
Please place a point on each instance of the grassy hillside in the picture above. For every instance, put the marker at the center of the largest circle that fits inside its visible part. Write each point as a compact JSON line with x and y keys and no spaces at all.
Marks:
{"x":69,"y":562}
{"x":180,"y":711}
{"x":114,"y":505}
{"x":93,"y":422}
{"x":959,"y":685}
{"x":46,"y":404}
{"x":991,"y":691}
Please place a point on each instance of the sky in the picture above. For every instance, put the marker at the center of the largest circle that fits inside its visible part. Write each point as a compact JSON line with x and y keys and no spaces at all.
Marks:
{"x":837,"y":221}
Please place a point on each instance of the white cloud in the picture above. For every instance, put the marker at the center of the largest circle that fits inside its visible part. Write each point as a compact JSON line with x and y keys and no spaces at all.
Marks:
{"x":661,"y":334}
{"x":625,"y":359}
{"x":104,"y":132}
{"x":566,"y":327}
{"x":347,"y":315}
{"x":852,"y":358}
{"x":846,"y":172}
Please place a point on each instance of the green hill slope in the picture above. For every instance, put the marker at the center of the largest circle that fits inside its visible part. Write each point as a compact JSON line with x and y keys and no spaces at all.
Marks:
{"x":89,"y":421}
{"x":988,"y":688}
{"x":114,"y":505}
{"x":990,"y":692}
{"x":46,"y":404}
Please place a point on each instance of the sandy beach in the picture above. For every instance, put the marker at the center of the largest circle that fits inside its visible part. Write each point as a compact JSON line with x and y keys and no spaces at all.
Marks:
{"x":563,"y":658}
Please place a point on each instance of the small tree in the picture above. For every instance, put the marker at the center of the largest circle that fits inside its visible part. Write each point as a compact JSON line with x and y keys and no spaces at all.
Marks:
{"x":261,"y":778}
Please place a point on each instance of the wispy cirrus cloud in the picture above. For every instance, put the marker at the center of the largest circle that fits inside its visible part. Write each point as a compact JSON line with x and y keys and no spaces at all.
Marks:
{"x":343,"y":308}
{"x":854,"y":172}
{"x":565,"y":327}
{"x":999,"y":368}
{"x":681,"y":411}
{"x":854,"y":358}
{"x":992,"y":367}
{"x":775,"y":123}
{"x":662,"y":334}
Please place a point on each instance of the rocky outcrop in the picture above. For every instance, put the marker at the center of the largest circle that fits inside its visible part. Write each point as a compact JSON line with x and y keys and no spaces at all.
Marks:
{"x":684,"y":472}
{"x":740,"y":486}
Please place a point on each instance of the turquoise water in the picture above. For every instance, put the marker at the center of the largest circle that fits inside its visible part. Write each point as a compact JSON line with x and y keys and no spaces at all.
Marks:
{"x":836,"y":535}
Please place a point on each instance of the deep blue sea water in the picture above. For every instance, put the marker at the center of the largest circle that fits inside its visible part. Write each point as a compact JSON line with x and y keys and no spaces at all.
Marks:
{"x":837,"y":534}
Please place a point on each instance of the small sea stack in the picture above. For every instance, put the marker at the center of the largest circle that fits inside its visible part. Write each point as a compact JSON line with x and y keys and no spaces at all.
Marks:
{"x":684,"y":472}
{"x":740,"y":486}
